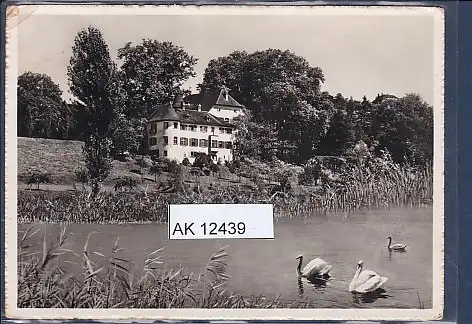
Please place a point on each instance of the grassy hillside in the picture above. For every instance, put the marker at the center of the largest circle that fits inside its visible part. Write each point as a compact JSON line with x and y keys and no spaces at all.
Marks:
{"x":60,"y":158}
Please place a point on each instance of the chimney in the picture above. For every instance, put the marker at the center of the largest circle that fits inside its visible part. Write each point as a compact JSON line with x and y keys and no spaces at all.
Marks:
{"x":199,"y":107}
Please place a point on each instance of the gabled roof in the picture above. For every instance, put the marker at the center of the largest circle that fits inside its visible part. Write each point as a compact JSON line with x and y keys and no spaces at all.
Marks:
{"x":164,"y":112}
{"x":209,"y":99}
{"x":168,"y":113}
{"x":201,"y":118}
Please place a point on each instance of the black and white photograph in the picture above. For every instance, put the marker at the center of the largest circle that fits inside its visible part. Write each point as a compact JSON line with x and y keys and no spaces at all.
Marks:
{"x":302,"y":146}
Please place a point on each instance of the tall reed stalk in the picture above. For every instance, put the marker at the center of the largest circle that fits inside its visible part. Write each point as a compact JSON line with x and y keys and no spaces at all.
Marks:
{"x":112,"y":281}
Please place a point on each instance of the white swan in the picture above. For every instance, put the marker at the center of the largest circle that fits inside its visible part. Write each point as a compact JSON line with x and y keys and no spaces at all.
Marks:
{"x":395,"y":247}
{"x":365,"y":281}
{"x":316,"y":268}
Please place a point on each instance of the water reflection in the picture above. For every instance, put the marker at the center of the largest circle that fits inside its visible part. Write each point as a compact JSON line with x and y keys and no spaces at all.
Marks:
{"x":300,"y":287}
{"x":314,"y":282}
{"x":369,"y":297}
{"x":318,"y":282}
{"x":394,"y":251}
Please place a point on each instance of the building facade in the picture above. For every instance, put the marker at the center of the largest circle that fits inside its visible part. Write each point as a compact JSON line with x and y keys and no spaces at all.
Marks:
{"x":193,"y":125}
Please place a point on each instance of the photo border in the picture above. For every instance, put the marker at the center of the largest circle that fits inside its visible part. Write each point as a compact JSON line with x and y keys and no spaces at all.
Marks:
{"x":10,"y":196}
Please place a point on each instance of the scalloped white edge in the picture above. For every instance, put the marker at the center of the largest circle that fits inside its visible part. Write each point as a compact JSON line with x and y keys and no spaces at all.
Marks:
{"x":11,"y":310}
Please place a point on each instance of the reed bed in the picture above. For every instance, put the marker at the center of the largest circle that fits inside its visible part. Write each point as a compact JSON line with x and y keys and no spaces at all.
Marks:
{"x":355,"y":188}
{"x":113,"y":282}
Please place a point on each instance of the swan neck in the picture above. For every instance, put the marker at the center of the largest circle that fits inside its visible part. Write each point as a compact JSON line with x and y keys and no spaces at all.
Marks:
{"x":389,"y":242}
{"x":299,"y":267}
{"x":353,"y":283}
{"x":358,"y":271}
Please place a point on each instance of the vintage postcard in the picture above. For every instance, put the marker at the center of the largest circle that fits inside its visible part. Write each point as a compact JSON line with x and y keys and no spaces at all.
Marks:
{"x":224,"y":162}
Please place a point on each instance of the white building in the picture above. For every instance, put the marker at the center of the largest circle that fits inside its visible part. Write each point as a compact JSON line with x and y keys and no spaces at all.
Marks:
{"x":200,"y":123}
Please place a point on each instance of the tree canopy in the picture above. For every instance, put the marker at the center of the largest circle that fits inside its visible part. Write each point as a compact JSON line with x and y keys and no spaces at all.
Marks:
{"x":288,"y":116}
{"x":404,"y":127}
{"x":41,"y":110}
{"x":280,"y":89}
{"x":153,"y":73}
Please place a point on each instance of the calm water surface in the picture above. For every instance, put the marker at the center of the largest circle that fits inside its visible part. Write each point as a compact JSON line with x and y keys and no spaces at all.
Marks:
{"x":268,"y":267}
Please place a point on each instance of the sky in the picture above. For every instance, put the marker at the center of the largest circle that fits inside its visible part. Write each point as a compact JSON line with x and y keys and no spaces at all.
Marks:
{"x":359,"y":55}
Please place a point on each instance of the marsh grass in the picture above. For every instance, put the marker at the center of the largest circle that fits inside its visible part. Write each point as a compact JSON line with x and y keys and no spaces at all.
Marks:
{"x":358,"y":188}
{"x":111,"y":281}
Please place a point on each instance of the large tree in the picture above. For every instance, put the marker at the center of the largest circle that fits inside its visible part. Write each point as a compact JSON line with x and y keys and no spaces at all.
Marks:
{"x":93,"y":82}
{"x":249,"y":75}
{"x":41,"y":110}
{"x":404,"y":126}
{"x":300,"y":121}
{"x":153,"y":73}
{"x":254,"y":140}
{"x":341,"y":133}
{"x":229,"y":71}
{"x":281,"y":90}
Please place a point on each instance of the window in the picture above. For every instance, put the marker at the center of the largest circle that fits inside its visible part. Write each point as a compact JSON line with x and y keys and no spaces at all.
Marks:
{"x":203,"y":143}
{"x":153,"y":130}
{"x":176,"y":140}
{"x":152,"y":141}
{"x":228,"y":145}
{"x":235,"y":111}
{"x":193,"y":128}
{"x":183,"y":127}
{"x":229,"y":131}
{"x":166,"y":140}
{"x":183,"y":141}
{"x":221,"y":144}
{"x":222,"y":130}
{"x":176,"y":125}
{"x":194,"y":154}
{"x":203,"y":129}
{"x":166,"y":125}
{"x":193,"y":142}
{"x":165,"y":153}
{"x":214,"y":144}
{"x":213,"y":130}
{"x":226,"y":119}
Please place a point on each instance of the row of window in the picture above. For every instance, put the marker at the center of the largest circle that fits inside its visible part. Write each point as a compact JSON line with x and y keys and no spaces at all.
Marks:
{"x":195,"y":142}
{"x":193,"y":128}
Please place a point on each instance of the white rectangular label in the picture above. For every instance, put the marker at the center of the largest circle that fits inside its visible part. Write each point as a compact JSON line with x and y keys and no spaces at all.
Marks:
{"x":214,"y":221}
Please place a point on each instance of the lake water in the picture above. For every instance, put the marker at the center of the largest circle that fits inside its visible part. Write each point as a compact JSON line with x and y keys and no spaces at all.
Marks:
{"x":268,"y":267}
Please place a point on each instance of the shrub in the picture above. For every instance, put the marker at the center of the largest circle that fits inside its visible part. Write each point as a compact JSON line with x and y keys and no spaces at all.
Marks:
{"x":310,"y":175}
{"x":196,"y":172}
{"x":155,"y":170}
{"x":37,"y":178}
{"x":125,"y":182}
{"x":202,"y":160}
{"x":141,"y":162}
{"x":81,"y":176}
{"x":185,"y":162}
